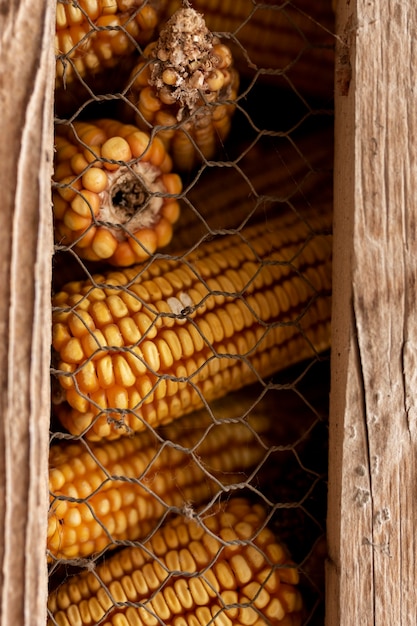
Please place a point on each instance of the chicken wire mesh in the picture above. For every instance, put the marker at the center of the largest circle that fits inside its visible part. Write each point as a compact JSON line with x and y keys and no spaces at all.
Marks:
{"x":192,"y":200}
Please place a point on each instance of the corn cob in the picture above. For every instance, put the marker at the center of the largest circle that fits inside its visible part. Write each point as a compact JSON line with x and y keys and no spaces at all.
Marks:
{"x":114,"y":195}
{"x":294,"y":40}
{"x":225,"y":569}
{"x":151,"y":343}
{"x":93,"y":35}
{"x":184,"y":83}
{"x":224,"y":198}
{"x":186,"y":464}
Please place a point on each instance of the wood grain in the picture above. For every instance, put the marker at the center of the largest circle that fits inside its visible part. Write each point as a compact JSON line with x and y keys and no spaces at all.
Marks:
{"x":371,"y":575}
{"x":26,"y":84}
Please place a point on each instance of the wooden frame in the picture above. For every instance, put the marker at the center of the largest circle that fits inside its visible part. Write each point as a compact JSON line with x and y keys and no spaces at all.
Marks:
{"x":371,"y":576}
{"x":27,"y":69}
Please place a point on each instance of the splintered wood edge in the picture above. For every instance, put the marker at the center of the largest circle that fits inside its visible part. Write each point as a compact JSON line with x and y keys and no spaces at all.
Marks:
{"x":371,"y":570}
{"x":27,"y":70}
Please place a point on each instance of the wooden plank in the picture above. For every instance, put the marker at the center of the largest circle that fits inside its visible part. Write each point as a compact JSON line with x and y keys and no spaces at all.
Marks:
{"x":371,"y":574}
{"x":26,"y":87}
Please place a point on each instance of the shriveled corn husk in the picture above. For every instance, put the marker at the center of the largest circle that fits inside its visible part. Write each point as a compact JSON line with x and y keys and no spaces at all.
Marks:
{"x":184,"y":86}
{"x":290,"y":44}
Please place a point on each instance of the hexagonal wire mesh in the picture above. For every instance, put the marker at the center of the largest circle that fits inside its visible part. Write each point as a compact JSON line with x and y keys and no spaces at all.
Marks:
{"x":191,"y":308}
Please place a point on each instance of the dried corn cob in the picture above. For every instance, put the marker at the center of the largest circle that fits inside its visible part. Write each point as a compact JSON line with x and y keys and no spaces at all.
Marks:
{"x":185,"y":464}
{"x":228,"y":569}
{"x":92,"y":35}
{"x":294,"y":39}
{"x":151,"y":343}
{"x":114,"y":196}
{"x":184,"y":83}
{"x":224,"y":197}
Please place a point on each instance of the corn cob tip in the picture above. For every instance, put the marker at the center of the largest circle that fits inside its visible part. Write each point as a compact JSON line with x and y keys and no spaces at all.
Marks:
{"x":186,"y":60}
{"x":185,"y":84}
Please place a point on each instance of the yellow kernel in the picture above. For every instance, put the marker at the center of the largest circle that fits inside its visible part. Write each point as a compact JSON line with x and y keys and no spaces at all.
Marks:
{"x":73,"y":518}
{"x":134,"y":357}
{"x":247,"y":615}
{"x":100,"y":313}
{"x":95,"y":180}
{"x":198,"y":591}
{"x":160,"y":607}
{"x":224,"y":575}
{"x":172,"y":600}
{"x":60,"y":206}
{"x":276,"y":553}
{"x":96,"y":610}
{"x":165,"y":354}
{"x":73,"y":351}
{"x":92,"y":343}
{"x":60,"y":336}
{"x":171,"y":338}
{"x":145,"y":325}
{"x":199,"y":553}
{"x":169,"y":76}
{"x":215,"y":80}
{"x":113,"y":336}
{"x":78,"y":163}
{"x":117,"y":307}
{"x":69,"y":189}
{"x":87,"y":378}
{"x":183,"y":593}
{"x":117,"y":397}
{"x":119,"y":619}
{"x":66,"y":380}
{"x":86,"y":204}
{"x":241,"y":568}
{"x":104,"y":244}
{"x":139,"y":143}
{"x":115,"y":149}
{"x":123,"y":374}
{"x":74,"y":221}
{"x":275,"y":610}
{"x":77,"y":401}
{"x":131,"y":301}
{"x":80,"y":323}
{"x":256,"y":594}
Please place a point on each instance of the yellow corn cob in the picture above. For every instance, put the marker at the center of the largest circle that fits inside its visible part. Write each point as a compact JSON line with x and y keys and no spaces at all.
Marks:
{"x":92,"y":35}
{"x":151,"y":343}
{"x":223,"y":198}
{"x":269,"y":38}
{"x":184,"y":83}
{"x":228,"y":569}
{"x":114,"y":196}
{"x":186,"y":464}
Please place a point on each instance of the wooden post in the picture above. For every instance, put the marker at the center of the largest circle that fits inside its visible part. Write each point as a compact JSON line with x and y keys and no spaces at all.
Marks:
{"x":26,"y":91}
{"x":372,"y":575}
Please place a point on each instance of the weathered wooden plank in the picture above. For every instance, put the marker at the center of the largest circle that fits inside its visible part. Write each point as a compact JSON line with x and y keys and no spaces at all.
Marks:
{"x":372,"y":572}
{"x":26,"y":85}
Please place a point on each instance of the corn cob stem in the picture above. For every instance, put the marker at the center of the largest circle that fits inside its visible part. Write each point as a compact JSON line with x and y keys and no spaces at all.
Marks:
{"x":152,"y":343}
{"x":186,"y":464}
{"x":184,"y":83}
{"x":114,"y":195}
{"x":224,"y":569}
